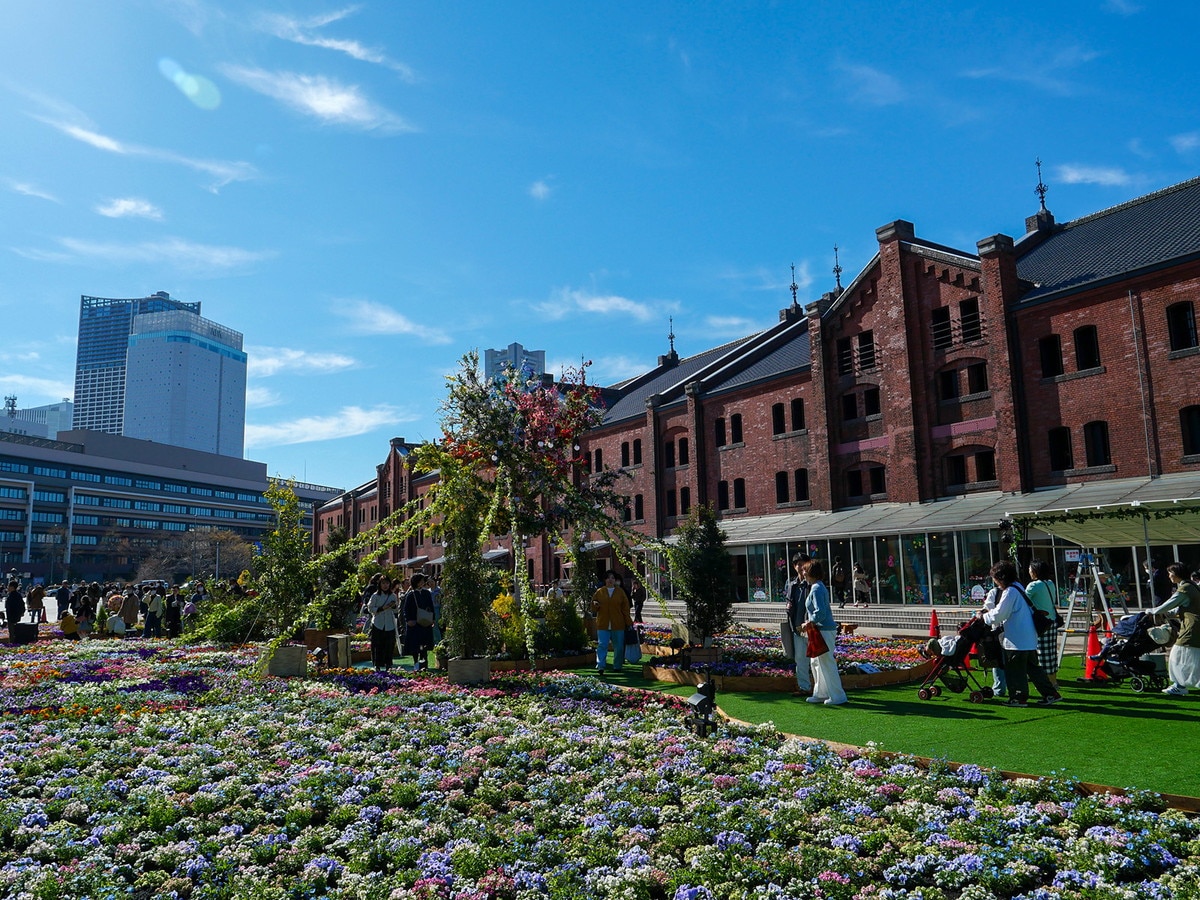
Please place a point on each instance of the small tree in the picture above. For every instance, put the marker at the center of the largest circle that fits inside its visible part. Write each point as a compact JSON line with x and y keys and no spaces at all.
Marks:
{"x":703,"y":573}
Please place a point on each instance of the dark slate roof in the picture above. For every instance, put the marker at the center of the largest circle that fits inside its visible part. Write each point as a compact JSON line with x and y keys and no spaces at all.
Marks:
{"x":791,"y":355}
{"x":1152,"y":231}
{"x":634,"y":403}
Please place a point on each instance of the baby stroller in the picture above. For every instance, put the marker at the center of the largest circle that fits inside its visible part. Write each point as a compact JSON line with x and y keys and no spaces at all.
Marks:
{"x":950,"y":666}
{"x":1125,"y":654}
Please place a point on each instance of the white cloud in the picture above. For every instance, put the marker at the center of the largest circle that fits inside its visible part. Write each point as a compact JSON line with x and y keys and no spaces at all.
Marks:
{"x":540,"y":190}
{"x":350,"y":421}
{"x":172,"y":252}
{"x":321,"y":97}
{"x":130,"y":206}
{"x":224,"y":172}
{"x":1105,"y":176}
{"x":302,"y":31}
{"x":261,"y":397}
{"x":774,"y":280}
{"x":568,"y":302}
{"x":1186,"y":143}
{"x":872,"y":86}
{"x":1122,"y":7}
{"x":266,"y":361}
{"x":1041,"y":69}
{"x":29,"y":190}
{"x":375,"y":318}
{"x":731,"y":326}
{"x":612,"y":369}
{"x":38,"y":387}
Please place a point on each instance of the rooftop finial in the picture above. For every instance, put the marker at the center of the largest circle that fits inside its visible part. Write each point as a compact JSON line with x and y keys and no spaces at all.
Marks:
{"x":795,"y":287}
{"x":837,"y":268}
{"x":671,"y":333}
{"x":1041,"y":189}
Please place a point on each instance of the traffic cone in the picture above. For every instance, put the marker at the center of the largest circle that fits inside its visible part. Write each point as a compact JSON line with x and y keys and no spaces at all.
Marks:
{"x":935,"y":630}
{"x":1093,"y":669}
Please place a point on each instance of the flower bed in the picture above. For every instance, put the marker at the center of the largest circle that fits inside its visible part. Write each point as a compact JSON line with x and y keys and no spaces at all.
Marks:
{"x":161,"y":771}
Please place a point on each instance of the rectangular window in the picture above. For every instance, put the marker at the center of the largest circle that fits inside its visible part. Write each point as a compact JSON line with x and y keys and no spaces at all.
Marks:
{"x":878,"y":481}
{"x":735,"y":428}
{"x":1087,"y":348}
{"x":47,"y":496}
{"x":849,"y":407}
{"x":871,"y":402}
{"x":15,"y":515}
{"x":1189,"y":426}
{"x":854,"y":483}
{"x":1060,"y":449}
{"x":637,"y":451}
{"x":956,"y":469}
{"x":1050,"y":351}
{"x":781,"y":487}
{"x":598,"y":465}
{"x":969,"y":322}
{"x":148,"y":485}
{"x":985,"y":465}
{"x":625,"y":453}
{"x":798,"y":414}
{"x":85,"y":520}
{"x":669,"y":454}
{"x":739,"y":493}
{"x":723,"y":495}
{"x":175,"y":488}
{"x":1181,"y":325}
{"x":719,"y":433}
{"x":866,"y":350}
{"x":801,"y":485}
{"x":200,"y":491}
{"x":941,"y":329}
{"x":683,"y":451}
{"x":672,"y":509}
{"x":49,"y":472}
{"x":20,"y":468}
{"x":639,"y":507}
{"x":778,"y":420}
{"x":948,"y":385}
{"x":977,"y":378}
{"x":845,"y":357}
{"x":685,"y":500}
{"x":1095,"y":442}
{"x":12,"y":493}
{"x":119,"y":480}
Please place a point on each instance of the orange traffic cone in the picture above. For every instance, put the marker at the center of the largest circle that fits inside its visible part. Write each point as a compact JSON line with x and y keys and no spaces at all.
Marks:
{"x":1093,"y":669}
{"x":935,"y":630}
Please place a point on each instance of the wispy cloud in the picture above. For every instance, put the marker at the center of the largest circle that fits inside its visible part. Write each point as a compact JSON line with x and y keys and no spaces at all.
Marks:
{"x":731,"y":326}
{"x":197,"y":258}
{"x":872,"y":86}
{"x":130,"y":206}
{"x":540,"y":189}
{"x":36,"y":387}
{"x":267,"y":361}
{"x":1042,"y":69}
{"x":30,"y":190}
{"x":770,"y":280}
{"x":1122,"y":7}
{"x":611,"y":369}
{"x":261,"y":397}
{"x":375,"y":318}
{"x":570,"y":302}
{"x":1106,"y":176}
{"x":320,"y":97}
{"x":224,"y":172}
{"x":350,"y":421}
{"x":303,"y":31}
{"x":1186,"y":143}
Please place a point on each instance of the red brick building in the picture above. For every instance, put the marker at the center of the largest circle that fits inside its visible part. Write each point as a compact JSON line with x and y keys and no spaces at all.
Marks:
{"x":896,"y":421}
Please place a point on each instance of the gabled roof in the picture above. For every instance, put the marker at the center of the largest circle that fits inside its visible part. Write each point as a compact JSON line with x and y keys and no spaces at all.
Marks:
{"x":792,"y":354}
{"x":1150,"y":232}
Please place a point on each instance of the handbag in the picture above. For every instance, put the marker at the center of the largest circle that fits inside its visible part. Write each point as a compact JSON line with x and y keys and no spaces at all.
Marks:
{"x":424,"y":617}
{"x":788,"y":639}
{"x":816,"y":641}
{"x":1041,"y":619}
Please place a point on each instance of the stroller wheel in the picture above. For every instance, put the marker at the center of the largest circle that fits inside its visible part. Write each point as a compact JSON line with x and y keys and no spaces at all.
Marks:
{"x":976,"y":696}
{"x":936,"y":690}
{"x":924,"y":693}
{"x":988,"y":693}
{"x":1137,"y":684}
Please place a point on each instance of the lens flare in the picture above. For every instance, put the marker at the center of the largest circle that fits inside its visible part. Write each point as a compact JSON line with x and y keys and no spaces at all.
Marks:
{"x":196,"y":88}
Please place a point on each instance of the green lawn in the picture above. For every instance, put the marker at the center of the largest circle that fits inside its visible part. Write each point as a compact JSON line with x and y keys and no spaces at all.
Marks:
{"x":1100,"y":734}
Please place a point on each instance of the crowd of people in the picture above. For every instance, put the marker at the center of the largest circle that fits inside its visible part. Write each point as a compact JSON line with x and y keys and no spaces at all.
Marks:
{"x":403,"y":615}
{"x":112,"y":609}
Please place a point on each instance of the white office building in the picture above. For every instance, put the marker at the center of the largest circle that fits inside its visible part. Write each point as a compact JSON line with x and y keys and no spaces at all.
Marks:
{"x":37,"y":421}
{"x":496,"y":361}
{"x":153,"y":368}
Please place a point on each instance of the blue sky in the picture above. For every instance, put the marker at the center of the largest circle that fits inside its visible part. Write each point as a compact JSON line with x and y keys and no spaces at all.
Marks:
{"x":368,"y":191}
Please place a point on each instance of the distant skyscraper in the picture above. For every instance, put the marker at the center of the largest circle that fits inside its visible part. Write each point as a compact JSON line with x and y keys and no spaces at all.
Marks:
{"x":153,"y":368}
{"x":494,"y":361}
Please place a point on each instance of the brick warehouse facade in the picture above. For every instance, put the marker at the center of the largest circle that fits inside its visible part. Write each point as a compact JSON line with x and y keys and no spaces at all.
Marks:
{"x":895,"y":421}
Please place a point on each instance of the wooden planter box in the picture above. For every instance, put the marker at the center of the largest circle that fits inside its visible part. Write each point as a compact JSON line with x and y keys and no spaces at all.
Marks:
{"x":315,"y":637}
{"x":469,"y":671}
{"x":289,"y":661}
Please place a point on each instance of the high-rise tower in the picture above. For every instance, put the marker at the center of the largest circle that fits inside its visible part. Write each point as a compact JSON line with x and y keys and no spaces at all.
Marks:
{"x":153,"y":368}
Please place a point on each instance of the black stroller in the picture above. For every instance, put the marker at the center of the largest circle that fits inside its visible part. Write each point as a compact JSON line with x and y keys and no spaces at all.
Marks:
{"x":1125,"y":654}
{"x":950,"y":663}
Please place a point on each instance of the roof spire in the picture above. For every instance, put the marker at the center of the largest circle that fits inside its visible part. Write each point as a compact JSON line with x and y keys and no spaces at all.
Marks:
{"x":837,"y":268}
{"x":671,"y":333}
{"x":795,"y":287}
{"x":1041,"y":188}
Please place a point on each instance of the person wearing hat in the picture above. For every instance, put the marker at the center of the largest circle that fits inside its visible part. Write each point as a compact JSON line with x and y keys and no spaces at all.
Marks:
{"x":1183,"y":665}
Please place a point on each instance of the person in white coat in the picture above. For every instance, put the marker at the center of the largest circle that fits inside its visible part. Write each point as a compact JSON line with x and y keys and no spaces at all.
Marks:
{"x":1015,"y":613}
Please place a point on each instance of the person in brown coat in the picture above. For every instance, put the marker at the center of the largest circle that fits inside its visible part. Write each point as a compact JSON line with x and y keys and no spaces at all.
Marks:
{"x":610,"y":604}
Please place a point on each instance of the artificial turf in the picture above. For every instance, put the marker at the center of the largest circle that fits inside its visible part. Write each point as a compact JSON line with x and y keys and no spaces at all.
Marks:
{"x":1100,"y":733}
